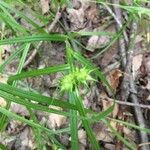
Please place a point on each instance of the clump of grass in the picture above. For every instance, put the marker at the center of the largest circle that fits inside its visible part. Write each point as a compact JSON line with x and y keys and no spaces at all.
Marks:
{"x":70,"y":83}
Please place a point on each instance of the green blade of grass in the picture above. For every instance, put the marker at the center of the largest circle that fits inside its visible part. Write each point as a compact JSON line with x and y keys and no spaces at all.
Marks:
{"x":4,"y":118}
{"x":12,"y":57}
{"x":92,"y":33}
{"x":11,"y":21}
{"x":73,"y":118}
{"x":12,"y":9}
{"x":34,"y":38}
{"x":86,"y":123}
{"x":31,"y":123}
{"x":129,"y":145}
{"x":131,"y":125}
{"x":34,"y":73}
{"x":28,"y":104}
{"x":35,"y":97}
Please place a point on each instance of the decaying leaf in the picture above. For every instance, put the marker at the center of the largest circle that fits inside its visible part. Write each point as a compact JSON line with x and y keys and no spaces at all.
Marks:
{"x":3,"y":79}
{"x":19,"y":109}
{"x":55,"y":121}
{"x":106,"y":104}
{"x":97,"y":42}
{"x":82,"y":137}
{"x":45,"y":6}
{"x":136,"y":63}
{"x":114,"y":78}
{"x":83,"y":12}
{"x":102,"y":133}
{"x":76,"y":18}
{"x":145,"y":66}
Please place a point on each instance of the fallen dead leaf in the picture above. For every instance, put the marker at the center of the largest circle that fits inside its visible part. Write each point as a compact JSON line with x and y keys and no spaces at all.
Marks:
{"x":82,"y":137}
{"x":114,"y":78}
{"x":102,"y":133}
{"x":19,"y":109}
{"x":95,"y":42}
{"x":3,"y":79}
{"x":106,"y":104}
{"x":136,"y":63}
{"x":45,"y":6}
{"x":55,"y":121}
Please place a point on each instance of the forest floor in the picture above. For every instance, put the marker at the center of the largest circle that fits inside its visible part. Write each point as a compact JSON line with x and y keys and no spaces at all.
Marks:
{"x":116,"y":40}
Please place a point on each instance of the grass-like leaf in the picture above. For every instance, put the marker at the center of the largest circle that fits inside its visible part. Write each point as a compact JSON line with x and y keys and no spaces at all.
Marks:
{"x":34,"y":38}
{"x":34,"y":73}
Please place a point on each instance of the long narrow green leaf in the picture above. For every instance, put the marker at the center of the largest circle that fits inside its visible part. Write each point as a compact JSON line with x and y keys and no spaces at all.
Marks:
{"x":30,"y":122}
{"x":86,"y":123}
{"x":23,"y":16}
{"x":19,"y":69}
{"x":14,"y":23}
{"x":34,"y":73}
{"x":128,"y":144}
{"x":25,"y":102}
{"x":34,"y":38}
{"x":35,"y":97}
{"x":73,"y":120}
{"x":131,"y":125}
{"x":12,"y":57}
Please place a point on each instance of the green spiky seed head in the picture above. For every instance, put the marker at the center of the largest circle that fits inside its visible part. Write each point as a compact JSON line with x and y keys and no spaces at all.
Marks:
{"x":67,"y":83}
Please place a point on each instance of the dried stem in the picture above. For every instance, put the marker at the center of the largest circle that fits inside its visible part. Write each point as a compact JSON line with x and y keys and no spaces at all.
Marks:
{"x":48,"y":30}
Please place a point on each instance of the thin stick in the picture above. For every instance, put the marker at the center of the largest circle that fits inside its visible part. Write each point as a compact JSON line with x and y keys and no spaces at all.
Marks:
{"x":126,"y":103}
{"x":48,"y":30}
{"x":117,"y":21}
{"x":122,"y":46}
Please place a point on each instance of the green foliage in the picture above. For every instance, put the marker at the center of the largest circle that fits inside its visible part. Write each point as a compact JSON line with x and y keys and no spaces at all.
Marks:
{"x":78,"y":71}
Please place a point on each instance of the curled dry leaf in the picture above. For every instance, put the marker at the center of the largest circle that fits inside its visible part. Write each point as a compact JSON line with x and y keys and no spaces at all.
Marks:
{"x":128,"y":133}
{"x":14,"y":127}
{"x":55,"y":121}
{"x":45,"y":6}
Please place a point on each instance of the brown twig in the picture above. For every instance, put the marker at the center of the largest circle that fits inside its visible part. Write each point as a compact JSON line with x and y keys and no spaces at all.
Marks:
{"x":122,"y":46}
{"x":128,"y":86}
{"x":48,"y":30}
{"x":139,"y":116}
{"x":126,"y":103}
{"x":117,"y":21}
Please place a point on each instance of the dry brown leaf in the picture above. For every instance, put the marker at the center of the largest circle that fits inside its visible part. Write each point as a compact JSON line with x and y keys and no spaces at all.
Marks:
{"x":45,"y":6}
{"x":82,"y":14}
{"x":145,"y":66}
{"x":55,"y":121}
{"x":82,"y":137}
{"x":76,"y":18}
{"x":95,"y":42}
{"x":106,"y":104}
{"x":19,"y":109}
{"x":102,"y":133}
{"x":3,"y":79}
{"x":114,"y":78}
{"x":136,"y":63}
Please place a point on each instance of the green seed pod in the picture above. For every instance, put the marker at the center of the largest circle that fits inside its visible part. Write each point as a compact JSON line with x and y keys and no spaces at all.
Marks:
{"x":67,"y":83}
{"x":82,"y":75}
